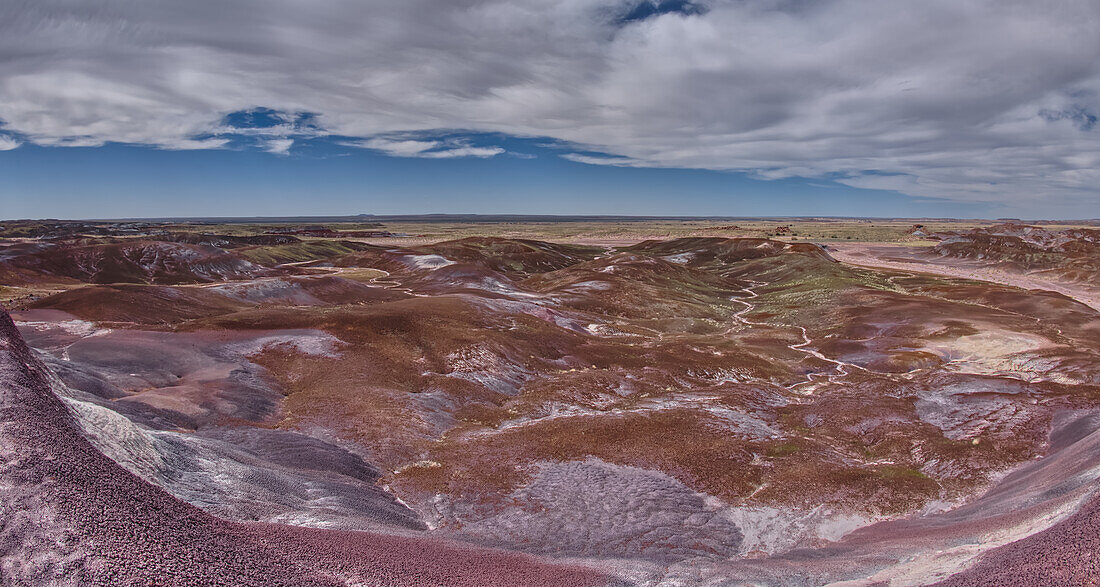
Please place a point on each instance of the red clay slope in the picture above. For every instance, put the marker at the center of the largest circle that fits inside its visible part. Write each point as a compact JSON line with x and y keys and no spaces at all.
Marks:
{"x":71,"y":516}
{"x":1065,"y":554}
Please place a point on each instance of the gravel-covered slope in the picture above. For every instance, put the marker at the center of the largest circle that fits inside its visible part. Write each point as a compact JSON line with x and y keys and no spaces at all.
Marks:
{"x":1065,"y":554}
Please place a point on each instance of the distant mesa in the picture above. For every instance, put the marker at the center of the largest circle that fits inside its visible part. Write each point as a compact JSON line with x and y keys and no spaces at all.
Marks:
{"x":324,"y":232}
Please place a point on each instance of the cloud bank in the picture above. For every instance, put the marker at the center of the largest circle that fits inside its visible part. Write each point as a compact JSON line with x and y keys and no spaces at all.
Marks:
{"x":973,"y":100}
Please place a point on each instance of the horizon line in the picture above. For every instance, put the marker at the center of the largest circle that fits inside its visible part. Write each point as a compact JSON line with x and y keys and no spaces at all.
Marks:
{"x":490,"y":218}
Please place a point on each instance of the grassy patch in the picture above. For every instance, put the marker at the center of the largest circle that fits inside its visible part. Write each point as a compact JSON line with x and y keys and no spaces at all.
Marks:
{"x":900,"y":473}
{"x":784,"y":449}
{"x":294,"y":253}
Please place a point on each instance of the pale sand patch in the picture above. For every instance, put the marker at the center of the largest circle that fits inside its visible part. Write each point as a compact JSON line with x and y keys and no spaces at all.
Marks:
{"x":871,"y":255}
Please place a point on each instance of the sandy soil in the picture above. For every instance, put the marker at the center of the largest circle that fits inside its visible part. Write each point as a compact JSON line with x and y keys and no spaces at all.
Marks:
{"x":904,"y":258}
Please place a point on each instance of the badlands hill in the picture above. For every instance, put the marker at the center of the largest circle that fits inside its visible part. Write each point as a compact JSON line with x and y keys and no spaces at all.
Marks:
{"x":485,"y":410}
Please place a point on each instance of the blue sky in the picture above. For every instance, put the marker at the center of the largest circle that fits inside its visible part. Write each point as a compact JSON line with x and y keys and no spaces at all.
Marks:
{"x":966,"y":108}
{"x":324,"y":177}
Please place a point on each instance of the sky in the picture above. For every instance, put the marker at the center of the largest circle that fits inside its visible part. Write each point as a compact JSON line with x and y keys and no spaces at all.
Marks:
{"x":146,"y":108}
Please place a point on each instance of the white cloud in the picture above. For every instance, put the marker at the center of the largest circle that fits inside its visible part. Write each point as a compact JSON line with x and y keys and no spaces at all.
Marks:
{"x":978,"y":100}
{"x":426,"y":149}
{"x":8,"y":143}
{"x":185,"y":144}
{"x":396,"y":148}
{"x":278,"y":146}
{"x":591,"y":160}
{"x":479,"y":152}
